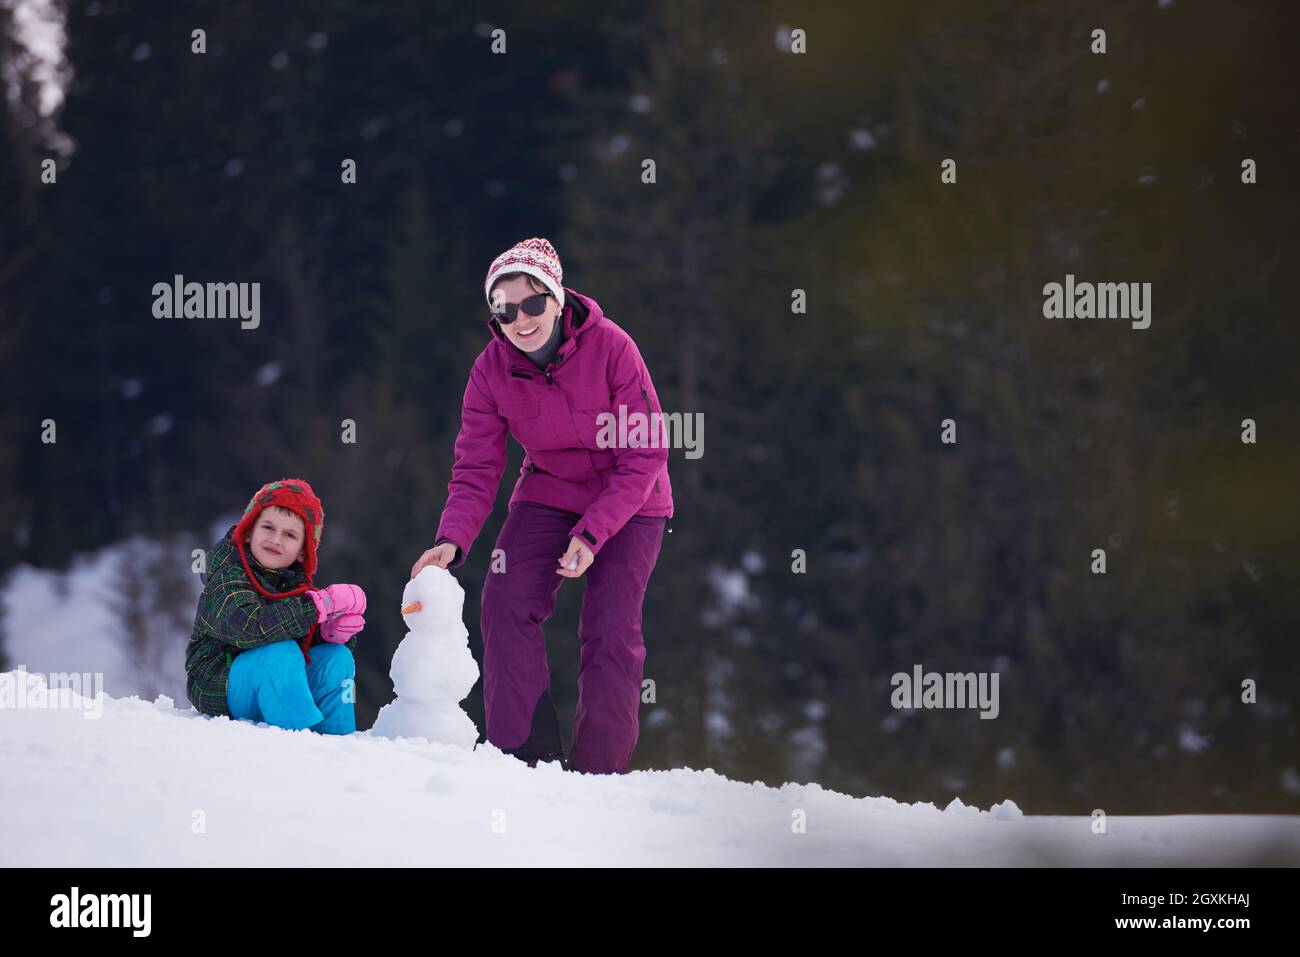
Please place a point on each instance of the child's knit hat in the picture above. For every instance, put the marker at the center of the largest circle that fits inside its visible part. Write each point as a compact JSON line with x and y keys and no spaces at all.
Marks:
{"x":297,"y":496}
{"x":536,"y":257}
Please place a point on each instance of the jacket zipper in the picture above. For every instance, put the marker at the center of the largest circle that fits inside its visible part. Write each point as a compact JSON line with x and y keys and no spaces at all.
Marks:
{"x":646,"y":396}
{"x":651,"y":417}
{"x":520,"y":372}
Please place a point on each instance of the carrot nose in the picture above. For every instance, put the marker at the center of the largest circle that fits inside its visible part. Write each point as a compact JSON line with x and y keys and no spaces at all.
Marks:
{"x":412,"y":608}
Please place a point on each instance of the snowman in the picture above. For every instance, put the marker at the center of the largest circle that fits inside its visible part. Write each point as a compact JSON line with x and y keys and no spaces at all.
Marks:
{"x":432,"y":670}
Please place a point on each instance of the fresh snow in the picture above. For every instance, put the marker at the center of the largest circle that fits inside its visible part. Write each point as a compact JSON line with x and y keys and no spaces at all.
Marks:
{"x":151,"y":784}
{"x":125,"y":781}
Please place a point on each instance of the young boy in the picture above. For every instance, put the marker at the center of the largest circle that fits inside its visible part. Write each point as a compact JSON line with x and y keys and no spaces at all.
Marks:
{"x":259,"y":614}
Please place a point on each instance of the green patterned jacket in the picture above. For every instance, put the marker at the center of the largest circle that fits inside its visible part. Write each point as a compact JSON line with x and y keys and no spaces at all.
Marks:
{"x":232,"y":617}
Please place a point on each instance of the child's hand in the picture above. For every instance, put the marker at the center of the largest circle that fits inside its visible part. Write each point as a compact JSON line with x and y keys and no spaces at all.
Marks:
{"x":334,"y":600}
{"x":341,"y":628}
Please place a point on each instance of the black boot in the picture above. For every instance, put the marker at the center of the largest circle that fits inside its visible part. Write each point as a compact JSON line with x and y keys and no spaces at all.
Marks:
{"x":531,"y":760}
{"x":543,"y":742}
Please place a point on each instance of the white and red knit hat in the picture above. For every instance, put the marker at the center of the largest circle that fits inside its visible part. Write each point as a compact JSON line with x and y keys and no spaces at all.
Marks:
{"x":536,"y":257}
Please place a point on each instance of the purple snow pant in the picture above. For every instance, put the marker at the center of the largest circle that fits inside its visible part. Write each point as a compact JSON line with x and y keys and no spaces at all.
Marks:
{"x":521,"y":717}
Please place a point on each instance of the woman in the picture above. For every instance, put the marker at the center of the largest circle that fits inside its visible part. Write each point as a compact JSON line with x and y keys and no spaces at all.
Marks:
{"x":554,"y":365}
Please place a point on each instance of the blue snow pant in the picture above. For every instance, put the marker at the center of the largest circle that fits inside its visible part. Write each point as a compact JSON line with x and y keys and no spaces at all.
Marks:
{"x":274,"y":683}
{"x":520,"y":715}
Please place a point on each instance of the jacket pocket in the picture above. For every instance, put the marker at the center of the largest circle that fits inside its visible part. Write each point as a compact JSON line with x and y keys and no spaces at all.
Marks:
{"x":603,"y":461}
{"x":523,"y":419}
{"x":572,"y":465}
{"x":518,"y":409}
{"x":587,"y":408}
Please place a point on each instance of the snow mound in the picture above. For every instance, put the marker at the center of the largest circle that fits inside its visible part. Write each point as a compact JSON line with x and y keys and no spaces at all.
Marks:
{"x":139,"y":783}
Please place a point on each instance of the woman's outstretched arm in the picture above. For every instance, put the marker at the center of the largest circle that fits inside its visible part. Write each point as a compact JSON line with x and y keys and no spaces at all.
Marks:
{"x":479,"y":464}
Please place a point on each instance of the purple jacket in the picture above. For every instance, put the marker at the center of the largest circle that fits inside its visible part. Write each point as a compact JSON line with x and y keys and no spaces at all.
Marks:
{"x":553,"y":415}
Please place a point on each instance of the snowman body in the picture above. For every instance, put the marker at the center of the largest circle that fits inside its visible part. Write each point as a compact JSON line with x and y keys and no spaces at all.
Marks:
{"x":433,"y":670}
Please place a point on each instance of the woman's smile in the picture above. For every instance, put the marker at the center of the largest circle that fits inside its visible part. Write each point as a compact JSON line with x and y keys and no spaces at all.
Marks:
{"x":530,"y":333}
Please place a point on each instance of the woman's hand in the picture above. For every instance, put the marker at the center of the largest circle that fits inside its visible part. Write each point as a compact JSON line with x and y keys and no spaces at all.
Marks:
{"x":578,"y":552}
{"x":440,"y":555}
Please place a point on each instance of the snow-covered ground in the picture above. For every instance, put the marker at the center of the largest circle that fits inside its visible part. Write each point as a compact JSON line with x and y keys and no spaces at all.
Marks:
{"x":147,"y":783}
{"x":120,"y":779}
{"x":104,"y":614}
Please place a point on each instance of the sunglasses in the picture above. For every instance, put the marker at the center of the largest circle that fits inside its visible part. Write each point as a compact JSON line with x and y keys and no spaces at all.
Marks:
{"x":533,"y":306}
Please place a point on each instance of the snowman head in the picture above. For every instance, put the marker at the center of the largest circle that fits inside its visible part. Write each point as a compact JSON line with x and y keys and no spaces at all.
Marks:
{"x":433,"y":600}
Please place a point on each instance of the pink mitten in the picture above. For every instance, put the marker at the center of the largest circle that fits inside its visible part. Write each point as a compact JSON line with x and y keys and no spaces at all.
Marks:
{"x":341,"y":628}
{"x":333,"y":600}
